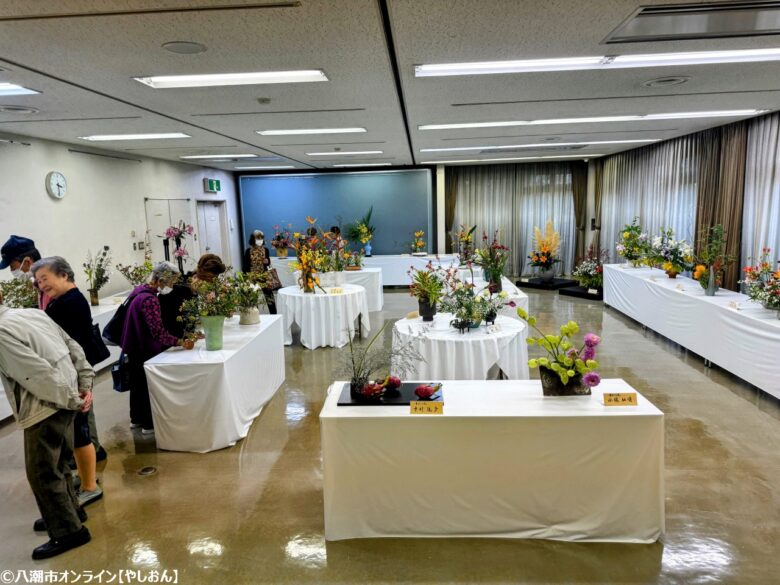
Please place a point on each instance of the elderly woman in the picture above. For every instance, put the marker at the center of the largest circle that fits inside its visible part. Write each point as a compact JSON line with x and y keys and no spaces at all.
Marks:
{"x":70,"y":310}
{"x":144,"y":336}
{"x":257,"y":260}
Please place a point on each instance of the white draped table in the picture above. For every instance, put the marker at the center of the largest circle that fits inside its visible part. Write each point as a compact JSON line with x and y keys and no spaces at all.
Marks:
{"x":502,"y":461}
{"x":732,"y":332}
{"x":325,"y":319}
{"x":206,"y":400}
{"x":451,"y":355}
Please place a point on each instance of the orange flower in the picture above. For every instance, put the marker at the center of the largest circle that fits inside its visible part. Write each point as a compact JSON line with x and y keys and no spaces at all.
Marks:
{"x":699,"y":272}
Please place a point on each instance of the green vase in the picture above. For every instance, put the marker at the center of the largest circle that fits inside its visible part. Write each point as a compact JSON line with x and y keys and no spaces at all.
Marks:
{"x":212,"y":328}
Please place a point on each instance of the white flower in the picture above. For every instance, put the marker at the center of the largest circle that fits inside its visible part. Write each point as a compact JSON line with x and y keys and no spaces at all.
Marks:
{"x":503,"y":294}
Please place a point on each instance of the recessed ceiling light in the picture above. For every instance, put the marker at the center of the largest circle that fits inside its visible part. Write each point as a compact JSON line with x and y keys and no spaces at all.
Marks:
{"x":666,"y":81}
{"x":264,"y":168}
{"x":157,"y":136}
{"x":310,"y":131}
{"x":222,"y":79}
{"x":13,"y":89}
{"x":598,"y":62}
{"x":597,"y":119}
{"x":344,"y":152}
{"x":225,"y":156}
{"x":385,"y":164}
{"x":542,"y":145}
{"x":441,"y":162}
{"x":184,"y":47}
{"x":18,"y":110}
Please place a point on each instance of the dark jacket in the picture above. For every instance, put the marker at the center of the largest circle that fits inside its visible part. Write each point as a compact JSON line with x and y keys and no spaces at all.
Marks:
{"x":144,"y":335}
{"x":246,"y":264}
{"x":71,"y":312}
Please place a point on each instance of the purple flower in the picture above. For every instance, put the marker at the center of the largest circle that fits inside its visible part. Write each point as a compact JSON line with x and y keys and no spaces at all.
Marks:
{"x":572,"y":353}
{"x":592,"y":340}
{"x":511,"y":304}
{"x":588,"y":354}
{"x":591,"y":379}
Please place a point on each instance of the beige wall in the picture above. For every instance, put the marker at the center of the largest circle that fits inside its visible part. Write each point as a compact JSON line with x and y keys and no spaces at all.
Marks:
{"x":104,"y":204}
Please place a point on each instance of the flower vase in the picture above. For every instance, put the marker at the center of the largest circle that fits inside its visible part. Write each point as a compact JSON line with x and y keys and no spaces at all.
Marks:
{"x":552,"y":385}
{"x":671,"y":273}
{"x":547,"y":275}
{"x":711,"y":286}
{"x":249,"y":316}
{"x":213,"y":327}
{"x":368,"y":249}
{"x":490,"y":318}
{"x":494,"y":282}
{"x":426,"y":309}
{"x":179,"y":259}
{"x":281,"y":252}
{"x":94,"y":300}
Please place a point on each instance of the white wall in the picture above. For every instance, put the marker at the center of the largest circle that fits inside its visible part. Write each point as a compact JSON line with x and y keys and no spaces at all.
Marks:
{"x":105,"y":202}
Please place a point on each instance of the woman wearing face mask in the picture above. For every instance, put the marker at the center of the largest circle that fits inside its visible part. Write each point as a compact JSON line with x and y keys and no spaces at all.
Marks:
{"x":70,"y":310}
{"x":257,"y":260}
{"x":144,"y":336}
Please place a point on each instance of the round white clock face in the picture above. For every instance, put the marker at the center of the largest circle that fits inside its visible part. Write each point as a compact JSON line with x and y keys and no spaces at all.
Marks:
{"x":56,"y":185}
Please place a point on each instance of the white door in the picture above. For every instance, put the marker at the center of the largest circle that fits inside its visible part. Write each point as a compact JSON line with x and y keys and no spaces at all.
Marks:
{"x":211,"y":224}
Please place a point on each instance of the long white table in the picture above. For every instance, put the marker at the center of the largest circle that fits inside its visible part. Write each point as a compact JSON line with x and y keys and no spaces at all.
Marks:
{"x":502,"y":461}
{"x":395,"y":269}
{"x":728,"y":329}
{"x":206,"y":400}
{"x":451,"y":355}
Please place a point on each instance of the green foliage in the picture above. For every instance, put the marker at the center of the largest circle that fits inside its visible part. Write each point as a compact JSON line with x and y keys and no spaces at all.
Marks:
{"x":19,"y":293}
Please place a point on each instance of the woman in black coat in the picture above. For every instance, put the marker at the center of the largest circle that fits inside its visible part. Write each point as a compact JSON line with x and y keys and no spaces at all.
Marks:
{"x":257,"y":260}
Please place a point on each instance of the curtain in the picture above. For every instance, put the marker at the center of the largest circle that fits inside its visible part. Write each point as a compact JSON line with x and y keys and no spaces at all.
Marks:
{"x":450,"y":199}
{"x":761,"y":216}
{"x":721,"y":188}
{"x":579,"y":187}
{"x":514,"y":199}
{"x":597,"y":169}
{"x":657,"y":184}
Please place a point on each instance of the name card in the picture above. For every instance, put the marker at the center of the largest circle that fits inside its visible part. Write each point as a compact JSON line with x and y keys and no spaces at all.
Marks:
{"x":494,"y":328}
{"x":620,"y":399}
{"x":593,"y":291}
{"x":426,"y":407}
{"x":680,"y":288}
{"x":525,"y":280}
{"x":734,"y":305}
{"x":335,"y":291}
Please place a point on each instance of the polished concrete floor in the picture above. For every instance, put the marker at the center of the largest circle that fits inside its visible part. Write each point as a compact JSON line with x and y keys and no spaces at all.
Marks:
{"x":253,"y":513}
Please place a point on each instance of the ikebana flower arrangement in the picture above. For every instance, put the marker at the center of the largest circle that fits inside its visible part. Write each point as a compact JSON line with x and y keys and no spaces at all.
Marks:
{"x":177,"y":233}
{"x":712,"y":259}
{"x":362,"y":231}
{"x":492,"y":258}
{"x":428,"y":288}
{"x":463,"y":243}
{"x":19,"y":293}
{"x":674,"y":256}
{"x":213,"y":302}
{"x":353,"y":260}
{"x":138,"y":273}
{"x":282,"y":240}
{"x":545,"y":253}
{"x":366,"y":360}
{"x":307,"y":262}
{"x":418,"y":244}
{"x":248,"y":295}
{"x":633,"y":244}
{"x":566,"y":370}
{"x":97,"y":272}
{"x":468,"y":305}
{"x":762,"y":282}
{"x":590,"y":271}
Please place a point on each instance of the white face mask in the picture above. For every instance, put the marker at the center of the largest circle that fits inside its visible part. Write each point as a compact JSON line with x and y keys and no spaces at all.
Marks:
{"x":165,"y":290}
{"x":18,"y":274}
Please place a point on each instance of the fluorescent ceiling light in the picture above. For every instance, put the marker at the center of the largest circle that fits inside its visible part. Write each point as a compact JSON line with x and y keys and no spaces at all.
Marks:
{"x":598,"y":62}
{"x":221,"y":79}
{"x":385,"y":164}
{"x":596,"y":119}
{"x":7,"y":89}
{"x":105,"y":137}
{"x":310,"y":131}
{"x":344,"y":153}
{"x":264,"y":168}
{"x":226,"y":156}
{"x":542,"y":145}
{"x":474,"y":160}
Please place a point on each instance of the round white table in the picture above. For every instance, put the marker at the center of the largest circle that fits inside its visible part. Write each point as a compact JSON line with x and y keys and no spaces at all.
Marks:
{"x":451,"y":355}
{"x":325,"y":319}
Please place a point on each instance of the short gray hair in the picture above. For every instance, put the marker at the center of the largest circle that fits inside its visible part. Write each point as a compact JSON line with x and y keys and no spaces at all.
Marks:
{"x":164,"y":272}
{"x":56,"y":265}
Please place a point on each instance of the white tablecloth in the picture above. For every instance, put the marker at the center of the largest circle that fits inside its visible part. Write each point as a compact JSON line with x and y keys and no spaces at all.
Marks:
{"x":744,"y":341}
{"x":324,"y":319}
{"x":369,"y":278}
{"x":394,"y":268}
{"x":450,"y":355}
{"x":502,"y":461}
{"x":206,"y":400}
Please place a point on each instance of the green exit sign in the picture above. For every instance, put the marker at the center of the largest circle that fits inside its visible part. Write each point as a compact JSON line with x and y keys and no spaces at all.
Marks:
{"x":211,"y":186}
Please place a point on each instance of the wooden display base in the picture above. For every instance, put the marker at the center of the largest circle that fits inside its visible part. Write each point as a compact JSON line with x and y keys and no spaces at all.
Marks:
{"x":538,"y":283}
{"x":582,"y":293}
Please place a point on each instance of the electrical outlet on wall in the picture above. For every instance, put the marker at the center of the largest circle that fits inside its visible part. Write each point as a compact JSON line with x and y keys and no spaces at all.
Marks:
{"x":141,"y":245}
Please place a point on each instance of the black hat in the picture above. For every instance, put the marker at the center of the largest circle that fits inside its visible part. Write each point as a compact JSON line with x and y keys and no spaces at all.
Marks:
{"x":15,"y":247}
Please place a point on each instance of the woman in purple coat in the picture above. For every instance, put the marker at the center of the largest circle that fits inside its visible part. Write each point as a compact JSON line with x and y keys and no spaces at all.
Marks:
{"x":144,"y":336}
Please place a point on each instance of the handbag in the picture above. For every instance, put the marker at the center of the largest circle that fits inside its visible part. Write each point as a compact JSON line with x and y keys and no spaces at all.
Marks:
{"x":276,"y":284}
{"x":99,"y":350}
{"x":120,"y":374}
{"x":112,"y":332}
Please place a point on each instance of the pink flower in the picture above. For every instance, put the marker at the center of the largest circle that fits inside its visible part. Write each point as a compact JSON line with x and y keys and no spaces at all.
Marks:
{"x":511,"y":304}
{"x":591,"y":379}
{"x":190,"y":230}
{"x":592,"y":340}
{"x":588,"y":353}
{"x":180,"y":253}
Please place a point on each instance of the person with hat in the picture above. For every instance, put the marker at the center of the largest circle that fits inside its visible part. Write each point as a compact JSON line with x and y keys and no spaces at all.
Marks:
{"x":19,"y":254}
{"x":257,"y":260}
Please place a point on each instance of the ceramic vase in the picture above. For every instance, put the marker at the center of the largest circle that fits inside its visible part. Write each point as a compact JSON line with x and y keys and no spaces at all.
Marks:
{"x":426,"y":309}
{"x":249,"y":316}
{"x":712,"y":287}
{"x":213,"y":327}
{"x":552,"y":385}
{"x":281,"y":252}
{"x":547,"y":274}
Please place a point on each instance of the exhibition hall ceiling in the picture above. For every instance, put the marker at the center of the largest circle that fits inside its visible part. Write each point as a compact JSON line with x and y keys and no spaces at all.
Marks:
{"x":358,"y":77}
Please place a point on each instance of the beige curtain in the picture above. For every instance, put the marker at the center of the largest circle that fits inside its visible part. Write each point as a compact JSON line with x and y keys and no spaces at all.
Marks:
{"x":598,"y":174}
{"x":450,"y":200}
{"x":579,"y":187}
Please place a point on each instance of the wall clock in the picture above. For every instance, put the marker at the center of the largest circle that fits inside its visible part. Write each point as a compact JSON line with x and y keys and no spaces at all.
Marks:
{"x":56,"y":185}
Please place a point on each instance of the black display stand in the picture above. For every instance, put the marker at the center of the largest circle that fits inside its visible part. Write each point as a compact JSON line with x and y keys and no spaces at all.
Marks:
{"x":402,"y":397}
{"x":539,"y":284}
{"x":582,"y":293}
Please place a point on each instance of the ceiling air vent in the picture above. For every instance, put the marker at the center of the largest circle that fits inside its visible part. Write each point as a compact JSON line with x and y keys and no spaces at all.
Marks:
{"x":678,"y":22}
{"x":551,"y":148}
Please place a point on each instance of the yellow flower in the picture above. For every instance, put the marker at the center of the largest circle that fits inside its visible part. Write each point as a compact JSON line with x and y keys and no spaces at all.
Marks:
{"x":626,"y":235}
{"x":310,"y":220}
{"x":296,"y":235}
